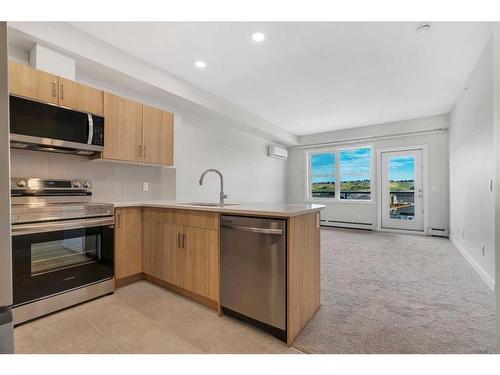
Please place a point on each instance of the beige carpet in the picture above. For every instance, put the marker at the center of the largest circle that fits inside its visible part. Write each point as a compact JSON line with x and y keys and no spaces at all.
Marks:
{"x":394,"y":293}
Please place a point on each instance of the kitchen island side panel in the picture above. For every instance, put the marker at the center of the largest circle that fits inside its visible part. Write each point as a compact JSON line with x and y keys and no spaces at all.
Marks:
{"x":303,"y":272}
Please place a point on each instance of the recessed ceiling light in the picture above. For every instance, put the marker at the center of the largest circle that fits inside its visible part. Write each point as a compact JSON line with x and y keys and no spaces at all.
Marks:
{"x":423,"y":28}
{"x":258,"y":37}
{"x":200,"y":64}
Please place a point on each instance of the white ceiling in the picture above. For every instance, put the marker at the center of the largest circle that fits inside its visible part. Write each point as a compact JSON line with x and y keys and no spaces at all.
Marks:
{"x":312,"y":77}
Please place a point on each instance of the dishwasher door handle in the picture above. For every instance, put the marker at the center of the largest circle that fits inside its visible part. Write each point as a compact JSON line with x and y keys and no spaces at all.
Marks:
{"x":253,"y":229}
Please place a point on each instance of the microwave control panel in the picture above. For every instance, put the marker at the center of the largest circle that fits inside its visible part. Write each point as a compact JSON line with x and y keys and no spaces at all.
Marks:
{"x":98,"y":137}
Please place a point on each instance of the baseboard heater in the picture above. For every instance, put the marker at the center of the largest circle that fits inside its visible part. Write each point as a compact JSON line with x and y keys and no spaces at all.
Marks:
{"x":346,"y":224}
{"x":440,"y":232}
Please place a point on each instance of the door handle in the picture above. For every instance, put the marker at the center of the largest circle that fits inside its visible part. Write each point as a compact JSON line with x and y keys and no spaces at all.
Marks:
{"x":54,"y":89}
{"x":253,"y":229}
{"x":179,"y":240}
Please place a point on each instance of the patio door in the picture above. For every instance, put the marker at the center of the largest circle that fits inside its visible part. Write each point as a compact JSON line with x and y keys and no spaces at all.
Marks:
{"x":402,"y":190}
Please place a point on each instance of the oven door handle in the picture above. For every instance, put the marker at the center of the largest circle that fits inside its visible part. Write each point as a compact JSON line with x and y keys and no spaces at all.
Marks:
{"x":23,"y":229}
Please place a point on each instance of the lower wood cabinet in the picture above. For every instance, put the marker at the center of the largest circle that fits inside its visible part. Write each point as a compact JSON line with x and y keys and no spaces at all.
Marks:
{"x":128,"y":242}
{"x":199,"y":262}
{"x":182,"y":248}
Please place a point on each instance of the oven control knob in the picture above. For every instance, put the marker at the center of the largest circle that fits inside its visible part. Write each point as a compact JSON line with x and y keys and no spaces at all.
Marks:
{"x":86,"y":184}
{"x":76,"y":184}
{"x":21,"y":183}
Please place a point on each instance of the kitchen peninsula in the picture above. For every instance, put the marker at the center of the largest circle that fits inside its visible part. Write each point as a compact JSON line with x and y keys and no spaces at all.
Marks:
{"x":178,"y":246}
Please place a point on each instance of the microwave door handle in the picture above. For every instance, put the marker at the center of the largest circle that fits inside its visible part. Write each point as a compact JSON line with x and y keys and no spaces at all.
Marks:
{"x":91,"y":128}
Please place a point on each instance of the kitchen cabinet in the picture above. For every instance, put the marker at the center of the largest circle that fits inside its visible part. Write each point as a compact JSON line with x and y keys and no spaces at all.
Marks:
{"x":128,"y":242}
{"x":200,"y":262}
{"x":31,"y":83}
{"x":158,"y":136}
{"x":122,"y":129}
{"x":136,"y":132}
{"x":182,"y":248}
{"x":80,"y":97}
{"x":35,"y":84}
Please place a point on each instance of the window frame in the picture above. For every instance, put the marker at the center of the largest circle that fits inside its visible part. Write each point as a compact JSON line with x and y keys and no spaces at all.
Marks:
{"x":336,"y":152}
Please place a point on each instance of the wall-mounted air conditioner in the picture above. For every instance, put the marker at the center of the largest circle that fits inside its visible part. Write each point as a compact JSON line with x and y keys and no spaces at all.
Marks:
{"x":277,"y":152}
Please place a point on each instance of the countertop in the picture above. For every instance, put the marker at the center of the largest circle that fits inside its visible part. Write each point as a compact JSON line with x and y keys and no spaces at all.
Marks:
{"x":261,"y":209}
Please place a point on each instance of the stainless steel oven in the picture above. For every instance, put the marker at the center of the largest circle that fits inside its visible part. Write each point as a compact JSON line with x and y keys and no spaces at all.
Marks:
{"x":62,"y":244}
{"x":46,"y":127}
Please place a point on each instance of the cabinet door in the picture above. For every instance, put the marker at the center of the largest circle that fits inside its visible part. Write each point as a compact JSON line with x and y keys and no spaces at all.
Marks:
{"x":80,"y":97}
{"x":158,"y":132}
{"x":162,"y":246}
{"x":200,"y":266}
{"x":30,"y":83}
{"x":172,"y":253}
{"x":122,"y":128}
{"x":152,"y":252}
{"x":128,"y":242}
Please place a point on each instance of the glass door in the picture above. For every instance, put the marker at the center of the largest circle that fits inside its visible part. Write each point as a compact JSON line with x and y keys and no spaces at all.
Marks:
{"x":402,"y":190}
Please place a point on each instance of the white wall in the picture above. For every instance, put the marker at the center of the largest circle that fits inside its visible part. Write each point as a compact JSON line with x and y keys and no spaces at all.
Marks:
{"x":472,"y":203}
{"x":249,"y":174}
{"x":363,"y":212}
{"x":496,"y":95}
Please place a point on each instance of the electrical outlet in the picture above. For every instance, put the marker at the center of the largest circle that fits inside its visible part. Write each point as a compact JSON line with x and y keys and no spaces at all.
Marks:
{"x":482,"y":250}
{"x":145,"y":186}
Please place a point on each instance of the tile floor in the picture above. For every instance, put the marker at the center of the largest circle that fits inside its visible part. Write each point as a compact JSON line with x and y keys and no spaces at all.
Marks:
{"x":142,"y":318}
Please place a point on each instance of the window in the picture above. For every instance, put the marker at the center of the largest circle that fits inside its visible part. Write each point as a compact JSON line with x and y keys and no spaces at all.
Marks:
{"x":322,"y":175}
{"x":352,"y":165}
{"x":355,"y":173}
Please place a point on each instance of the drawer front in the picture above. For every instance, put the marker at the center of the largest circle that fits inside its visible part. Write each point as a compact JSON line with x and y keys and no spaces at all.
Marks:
{"x":195,"y":219}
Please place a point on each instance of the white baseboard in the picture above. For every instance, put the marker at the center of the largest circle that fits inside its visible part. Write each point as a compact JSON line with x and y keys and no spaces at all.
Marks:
{"x":480,"y":271}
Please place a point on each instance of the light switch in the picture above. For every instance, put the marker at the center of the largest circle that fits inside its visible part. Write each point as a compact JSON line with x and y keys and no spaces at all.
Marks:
{"x":145,"y":186}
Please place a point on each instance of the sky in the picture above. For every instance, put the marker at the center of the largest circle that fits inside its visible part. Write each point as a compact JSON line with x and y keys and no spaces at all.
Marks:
{"x":355,"y":165}
{"x":401,"y":168}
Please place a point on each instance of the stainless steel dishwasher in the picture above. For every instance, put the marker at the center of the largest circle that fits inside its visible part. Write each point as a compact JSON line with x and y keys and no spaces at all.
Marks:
{"x":253,"y":271}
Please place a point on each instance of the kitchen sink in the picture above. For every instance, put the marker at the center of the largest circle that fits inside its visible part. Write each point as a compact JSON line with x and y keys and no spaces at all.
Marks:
{"x":207,"y":204}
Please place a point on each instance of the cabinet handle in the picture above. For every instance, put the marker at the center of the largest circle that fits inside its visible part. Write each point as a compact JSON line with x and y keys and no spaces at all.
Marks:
{"x":62,"y":90}
{"x":140,"y":151}
{"x":179,"y":240}
{"x":144,"y":151}
{"x":117,"y":221}
{"x":54,"y":89}
{"x":183,"y":241}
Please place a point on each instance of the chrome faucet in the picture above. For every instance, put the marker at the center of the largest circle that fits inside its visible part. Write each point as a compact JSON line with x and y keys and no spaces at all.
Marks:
{"x":222,"y":196}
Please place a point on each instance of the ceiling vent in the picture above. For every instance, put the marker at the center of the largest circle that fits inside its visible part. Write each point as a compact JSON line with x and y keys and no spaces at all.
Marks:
{"x":277,"y":152}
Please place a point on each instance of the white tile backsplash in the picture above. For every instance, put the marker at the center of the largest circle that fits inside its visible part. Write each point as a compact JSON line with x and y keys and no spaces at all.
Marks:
{"x":111,"y":181}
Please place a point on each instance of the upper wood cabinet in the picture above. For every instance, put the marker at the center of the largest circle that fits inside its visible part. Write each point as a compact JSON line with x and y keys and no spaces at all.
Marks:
{"x":128,"y":242}
{"x":132,"y":131}
{"x":31,"y":83}
{"x":122,"y":129}
{"x":137,"y":132}
{"x":83,"y":98}
{"x":158,"y":133}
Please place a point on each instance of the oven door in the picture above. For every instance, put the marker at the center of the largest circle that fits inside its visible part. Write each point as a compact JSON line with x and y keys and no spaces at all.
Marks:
{"x":50,"y":258}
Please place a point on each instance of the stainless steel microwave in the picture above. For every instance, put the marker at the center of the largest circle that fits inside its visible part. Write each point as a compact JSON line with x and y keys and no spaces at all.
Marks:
{"x":46,"y":127}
